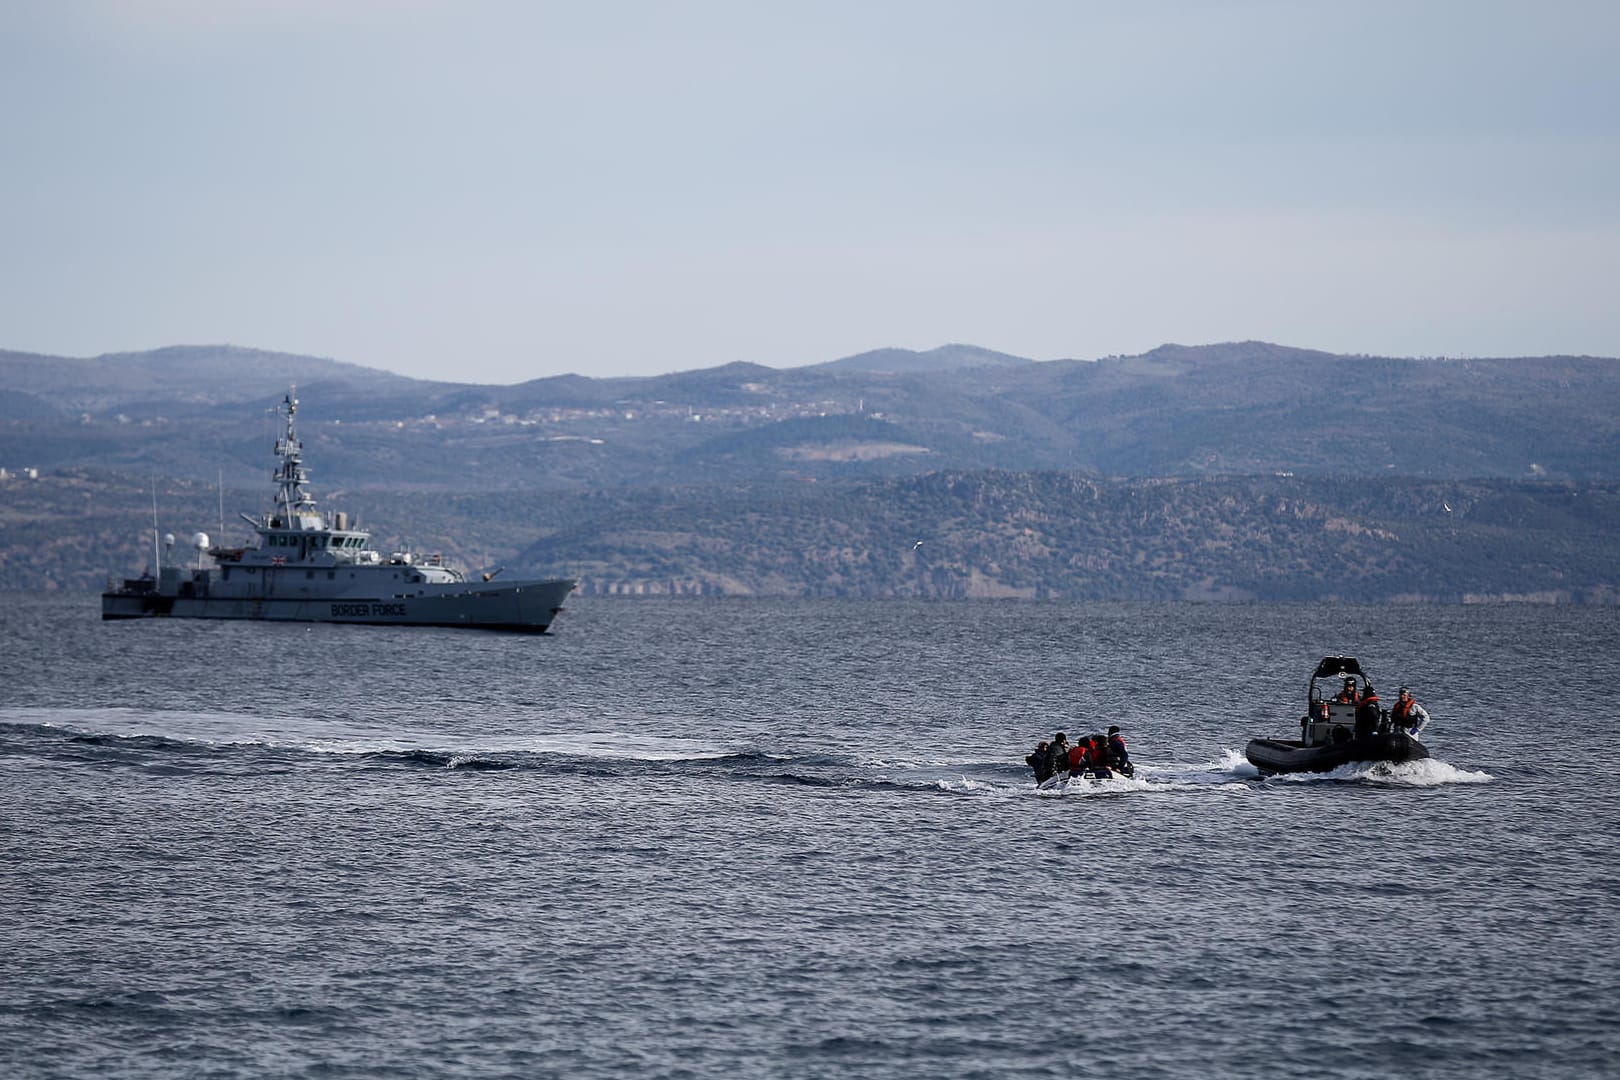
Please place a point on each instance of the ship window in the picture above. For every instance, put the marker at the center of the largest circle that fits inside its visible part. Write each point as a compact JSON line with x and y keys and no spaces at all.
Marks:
{"x":331,"y":575}
{"x":308,"y":574}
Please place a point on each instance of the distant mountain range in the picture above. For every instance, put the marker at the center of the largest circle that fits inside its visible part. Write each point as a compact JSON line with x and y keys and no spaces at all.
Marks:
{"x":1234,"y":409}
{"x":744,"y":478}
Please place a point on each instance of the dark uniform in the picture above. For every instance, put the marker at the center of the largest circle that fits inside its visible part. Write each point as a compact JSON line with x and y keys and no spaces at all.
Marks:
{"x":1118,"y":756}
{"x":1057,"y":755}
{"x":1038,"y":762}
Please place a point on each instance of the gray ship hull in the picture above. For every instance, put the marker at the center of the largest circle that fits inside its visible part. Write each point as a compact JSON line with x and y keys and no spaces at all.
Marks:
{"x":528,"y":606}
{"x":311,"y":567}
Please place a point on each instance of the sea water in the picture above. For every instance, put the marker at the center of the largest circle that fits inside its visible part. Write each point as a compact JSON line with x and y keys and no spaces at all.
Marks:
{"x":797,"y":839}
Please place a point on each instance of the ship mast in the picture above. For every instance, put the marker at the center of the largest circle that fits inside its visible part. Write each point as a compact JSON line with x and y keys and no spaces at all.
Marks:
{"x":294,"y":506}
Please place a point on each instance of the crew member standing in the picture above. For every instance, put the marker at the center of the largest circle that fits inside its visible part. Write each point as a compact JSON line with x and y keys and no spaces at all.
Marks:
{"x":1367,"y":713}
{"x":1408,"y":714}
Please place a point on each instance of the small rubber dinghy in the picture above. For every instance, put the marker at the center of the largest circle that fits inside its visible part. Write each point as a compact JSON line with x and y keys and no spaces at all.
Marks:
{"x":1336,"y":731}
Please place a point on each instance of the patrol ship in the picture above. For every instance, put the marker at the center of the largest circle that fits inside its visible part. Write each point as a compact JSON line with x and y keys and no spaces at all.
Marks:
{"x":308,"y":567}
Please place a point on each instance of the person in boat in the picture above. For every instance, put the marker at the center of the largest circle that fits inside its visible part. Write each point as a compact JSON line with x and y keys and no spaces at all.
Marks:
{"x":1097,"y":756}
{"x":1348,"y":695}
{"x":1118,"y":757}
{"x":1408,"y":715}
{"x":1057,"y":754}
{"x":1079,"y":755}
{"x":1367,"y":713}
{"x":1038,"y":762}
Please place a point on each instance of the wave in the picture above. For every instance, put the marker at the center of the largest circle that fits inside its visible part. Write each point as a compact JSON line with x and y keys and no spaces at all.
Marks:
{"x":205,"y":741}
{"x":179,"y":730}
{"x":141,"y":737}
{"x":1233,"y":772}
{"x":1429,"y":772}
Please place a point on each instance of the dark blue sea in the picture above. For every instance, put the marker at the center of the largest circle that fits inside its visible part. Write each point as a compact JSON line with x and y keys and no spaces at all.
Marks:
{"x":797,"y":839}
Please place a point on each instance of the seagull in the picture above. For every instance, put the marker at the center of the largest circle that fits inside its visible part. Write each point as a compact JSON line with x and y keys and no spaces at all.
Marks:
{"x":917,"y":545}
{"x":1447,"y":506}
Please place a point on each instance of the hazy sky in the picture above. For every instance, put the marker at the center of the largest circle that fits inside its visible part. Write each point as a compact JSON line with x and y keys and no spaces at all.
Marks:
{"x":494,"y":190}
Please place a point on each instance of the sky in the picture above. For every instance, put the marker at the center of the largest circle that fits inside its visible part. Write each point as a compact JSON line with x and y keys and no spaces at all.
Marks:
{"x":498,"y":190}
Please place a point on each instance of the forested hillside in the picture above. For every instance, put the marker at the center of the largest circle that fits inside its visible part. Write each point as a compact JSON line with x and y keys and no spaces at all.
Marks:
{"x":982,"y":534}
{"x":1229,"y":472}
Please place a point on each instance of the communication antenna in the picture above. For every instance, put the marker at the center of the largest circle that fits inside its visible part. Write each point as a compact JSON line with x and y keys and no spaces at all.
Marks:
{"x":157,"y":552}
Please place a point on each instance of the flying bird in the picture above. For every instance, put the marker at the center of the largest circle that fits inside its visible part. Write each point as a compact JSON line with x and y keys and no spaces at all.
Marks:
{"x":917,"y":545}
{"x":1447,"y":506}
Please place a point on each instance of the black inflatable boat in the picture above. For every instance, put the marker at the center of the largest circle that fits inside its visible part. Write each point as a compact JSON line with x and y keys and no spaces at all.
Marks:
{"x":1337,"y":731}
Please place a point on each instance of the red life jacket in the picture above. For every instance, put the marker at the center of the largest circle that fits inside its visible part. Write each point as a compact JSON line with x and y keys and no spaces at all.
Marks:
{"x":1402,"y":707}
{"x":1077,"y":757}
{"x":1099,"y":753}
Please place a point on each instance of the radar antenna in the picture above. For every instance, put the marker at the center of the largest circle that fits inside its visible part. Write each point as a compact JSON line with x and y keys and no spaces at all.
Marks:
{"x":295,"y":504}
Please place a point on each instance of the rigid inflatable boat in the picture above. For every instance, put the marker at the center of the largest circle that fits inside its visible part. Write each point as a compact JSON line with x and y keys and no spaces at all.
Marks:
{"x":1333,"y":732}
